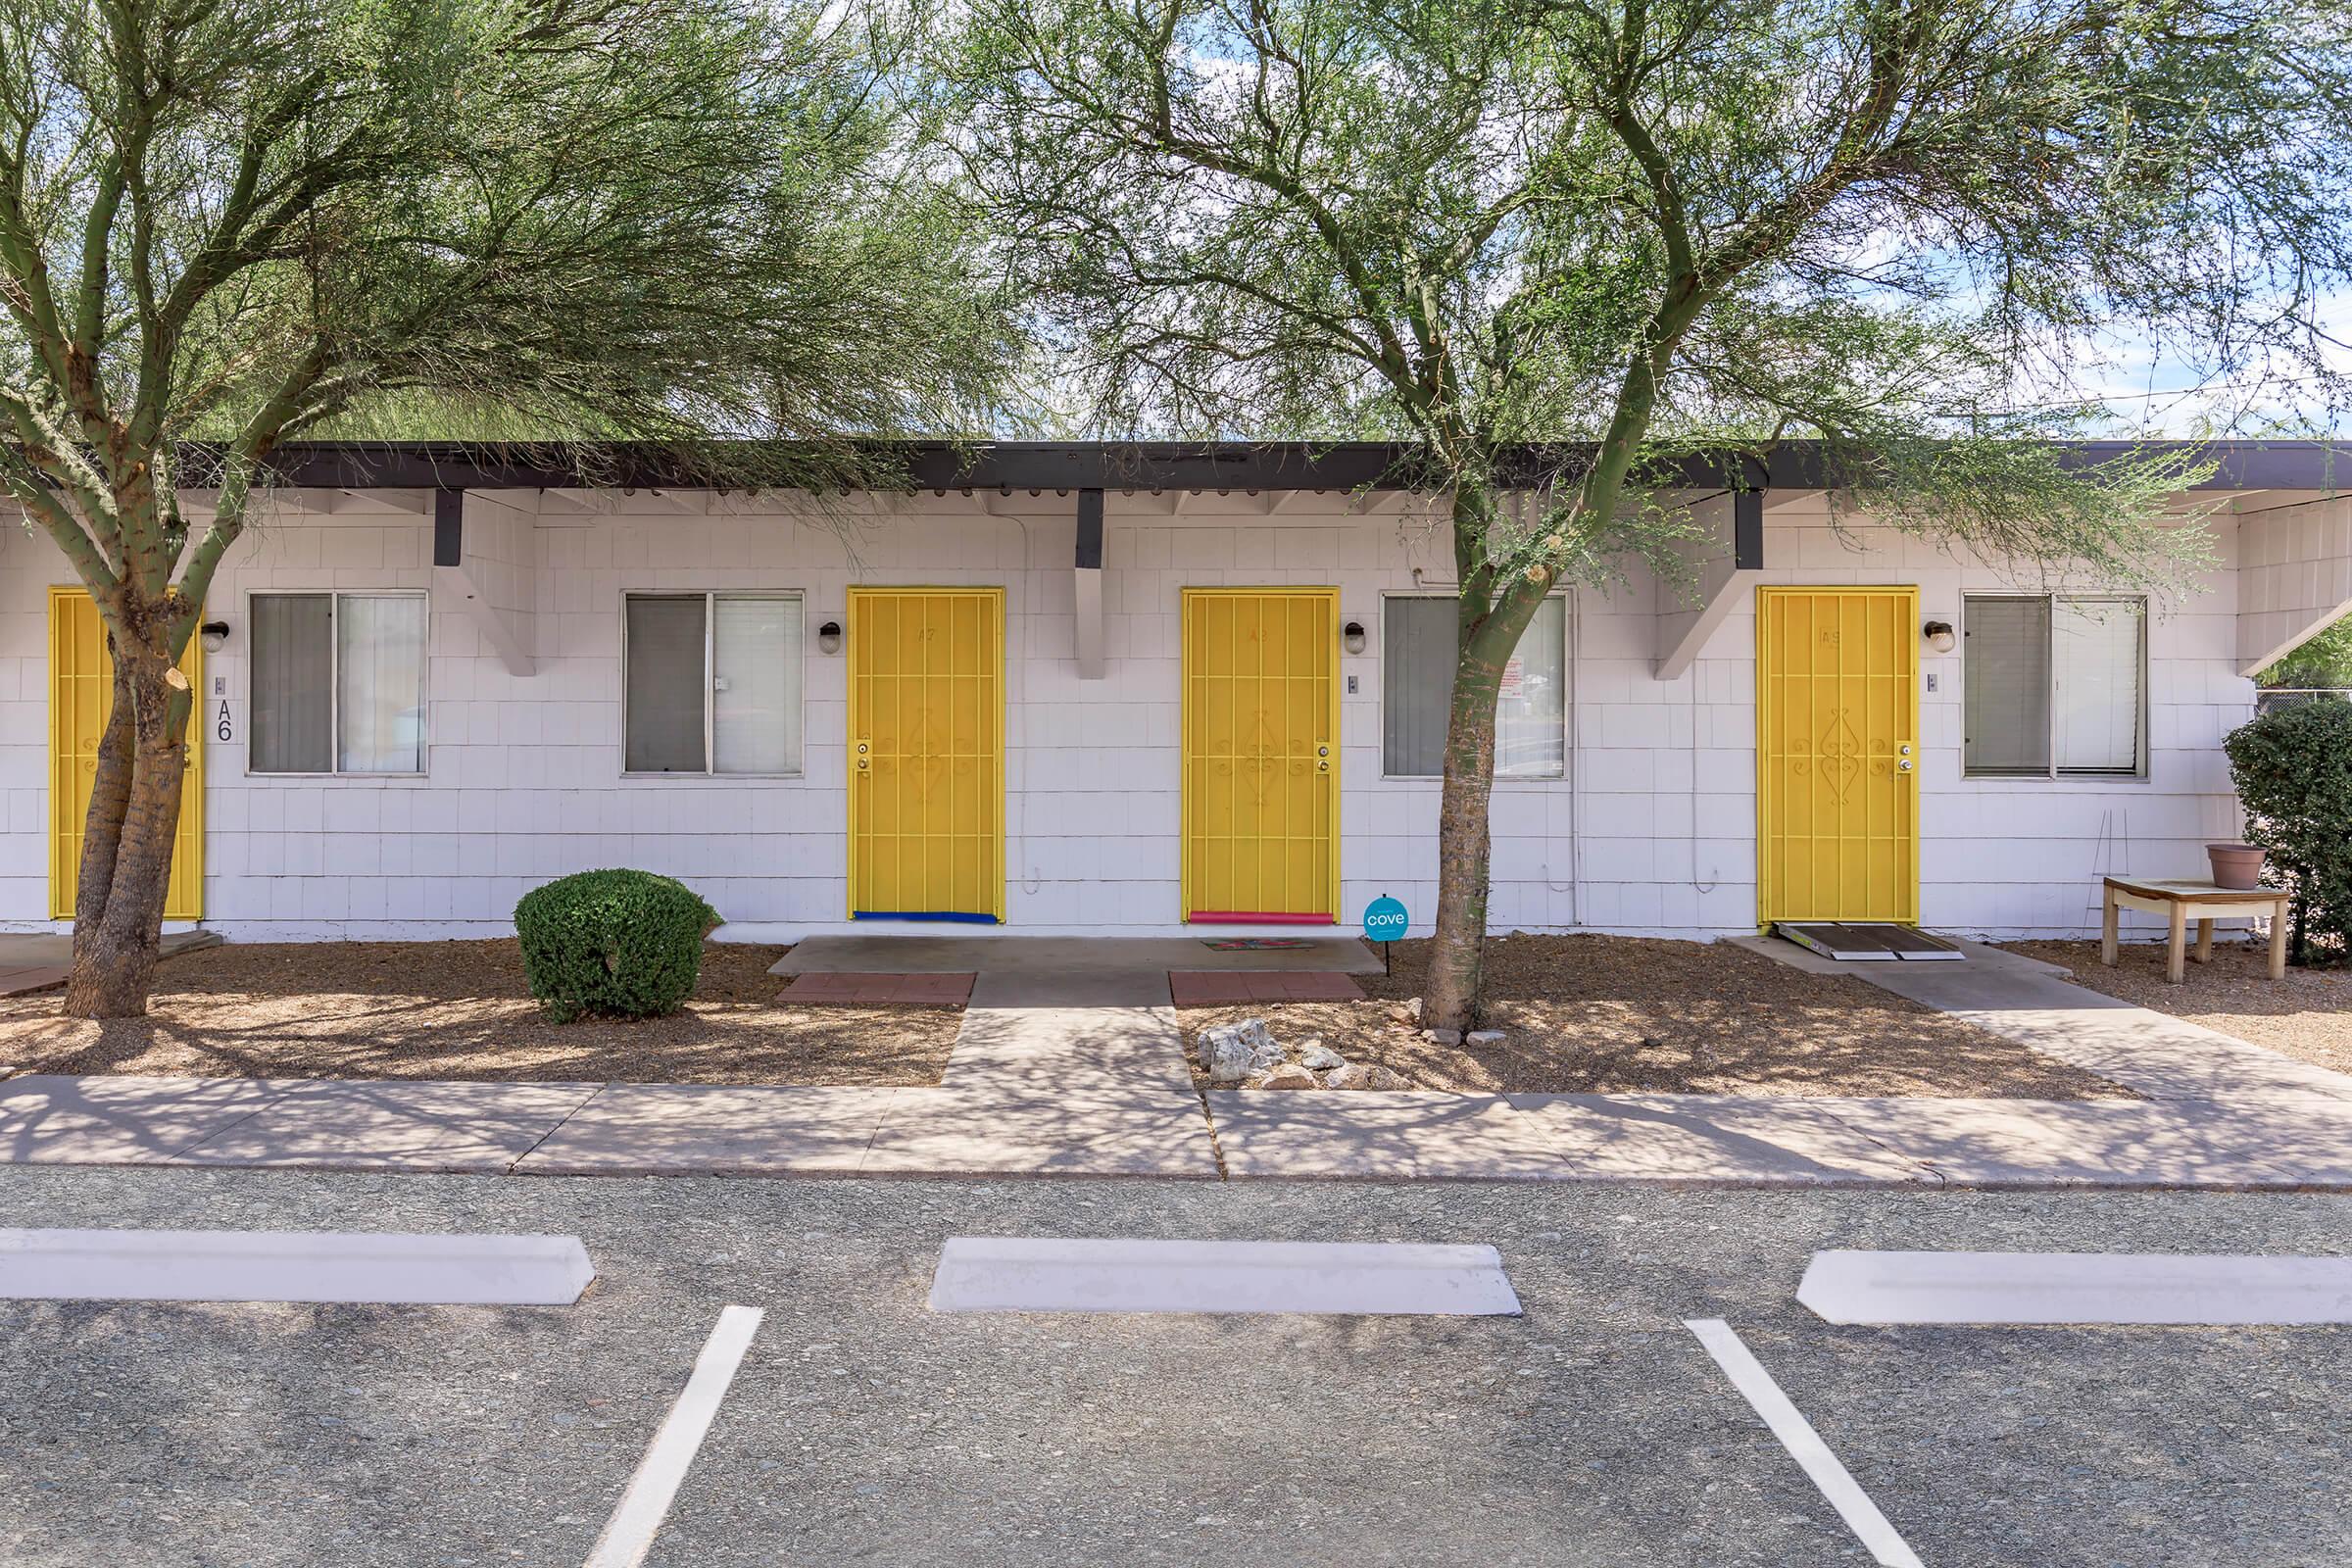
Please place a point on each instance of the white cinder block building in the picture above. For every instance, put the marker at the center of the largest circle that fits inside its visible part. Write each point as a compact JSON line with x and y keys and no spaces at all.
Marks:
{"x":1145,"y":690}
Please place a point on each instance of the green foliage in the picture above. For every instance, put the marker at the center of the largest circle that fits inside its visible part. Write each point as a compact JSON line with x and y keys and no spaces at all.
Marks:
{"x":628,"y":944}
{"x":2293,"y":771}
{"x":2325,"y":659}
{"x":657,"y":221}
{"x":1894,"y":228}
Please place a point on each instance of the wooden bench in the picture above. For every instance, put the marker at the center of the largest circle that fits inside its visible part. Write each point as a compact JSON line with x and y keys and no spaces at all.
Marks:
{"x":2177,"y":901}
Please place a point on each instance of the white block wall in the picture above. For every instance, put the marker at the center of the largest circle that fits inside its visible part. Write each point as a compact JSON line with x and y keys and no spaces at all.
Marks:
{"x":1655,"y":833}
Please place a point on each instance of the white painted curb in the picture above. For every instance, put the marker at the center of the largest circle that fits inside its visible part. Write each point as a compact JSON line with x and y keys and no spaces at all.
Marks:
{"x":2078,"y":1288}
{"x":293,"y":1266}
{"x":1023,"y":1274}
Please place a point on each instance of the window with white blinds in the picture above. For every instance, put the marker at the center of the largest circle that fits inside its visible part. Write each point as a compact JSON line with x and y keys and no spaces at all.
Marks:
{"x":2006,"y":686}
{"x":2055,"y":685}
{"x":337,"y":683}
{"x":713,"y":683}
{"x":1417,"y":659}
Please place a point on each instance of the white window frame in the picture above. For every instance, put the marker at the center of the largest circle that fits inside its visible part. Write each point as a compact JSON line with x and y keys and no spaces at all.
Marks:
{"x":709,"y":596}
{"x":334,"y":682}
{"x":1567,"y":706}
{"x":2139,"y":767}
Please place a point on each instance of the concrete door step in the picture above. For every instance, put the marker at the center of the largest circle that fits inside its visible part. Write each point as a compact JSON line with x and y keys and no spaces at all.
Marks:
{"x":293,"y":1266}
{"x":1867,"y":941}
{"x":2077,"y":1288}
{"x":1020,"y":1274}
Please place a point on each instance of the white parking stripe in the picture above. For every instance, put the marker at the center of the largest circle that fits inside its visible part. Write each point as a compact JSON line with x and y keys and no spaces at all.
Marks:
{"x":629,"y":1533}
{"x":2078,"y":1288}
{"x":1803,"y":1444}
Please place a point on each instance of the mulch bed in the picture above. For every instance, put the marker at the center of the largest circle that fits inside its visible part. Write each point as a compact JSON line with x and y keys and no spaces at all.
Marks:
{"x":1604,"y":1014}
{"x":460,"y":1010}
{"x":2308,"y":1014}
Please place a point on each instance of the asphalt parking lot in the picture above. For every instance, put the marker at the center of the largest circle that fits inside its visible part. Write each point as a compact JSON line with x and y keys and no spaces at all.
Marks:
{"x":862,"y":1428}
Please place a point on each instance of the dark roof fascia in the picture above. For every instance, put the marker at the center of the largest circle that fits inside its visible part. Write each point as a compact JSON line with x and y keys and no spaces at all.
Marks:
{"x":1063,"y":465}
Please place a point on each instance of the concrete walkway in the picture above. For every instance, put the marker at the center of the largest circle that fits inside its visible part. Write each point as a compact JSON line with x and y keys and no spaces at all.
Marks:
{"x":987,"y":1126}
{"x":1080,"y":1070}
{"x":2036,"y":1005}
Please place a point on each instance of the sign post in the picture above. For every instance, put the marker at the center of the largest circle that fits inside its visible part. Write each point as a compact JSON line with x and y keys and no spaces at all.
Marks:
{"x":1384,"y":921}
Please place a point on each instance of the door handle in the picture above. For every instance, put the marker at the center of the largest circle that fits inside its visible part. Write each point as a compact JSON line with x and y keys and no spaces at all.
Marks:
{"x":864,"y":758}
{"x":1322,"y":757}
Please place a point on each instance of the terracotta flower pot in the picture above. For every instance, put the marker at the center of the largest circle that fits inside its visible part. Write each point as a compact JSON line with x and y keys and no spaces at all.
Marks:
{"x":2236,"y":865}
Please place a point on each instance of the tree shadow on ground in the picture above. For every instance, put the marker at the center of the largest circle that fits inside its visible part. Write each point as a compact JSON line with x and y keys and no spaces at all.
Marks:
{"x":1606,"y":1014}
{"x":461,"y":1010}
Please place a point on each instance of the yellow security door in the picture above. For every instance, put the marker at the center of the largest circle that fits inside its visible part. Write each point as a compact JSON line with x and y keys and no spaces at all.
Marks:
{"x":927,"y":753}
{"x":1837,"y":754}
{"x":1261,"y":777}
{"x":81,"y":697}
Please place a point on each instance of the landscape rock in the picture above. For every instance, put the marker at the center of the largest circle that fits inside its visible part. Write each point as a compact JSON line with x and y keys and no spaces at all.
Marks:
{"x":1290,"y":1075}
{"x":1316,"y":1056}
{"x":1232,"y":1051}
{"x":1365,"y":1075}
{"x":1442,"y":1037}
{"x":1485,"y":1037}
{"x":1407,"y":1010}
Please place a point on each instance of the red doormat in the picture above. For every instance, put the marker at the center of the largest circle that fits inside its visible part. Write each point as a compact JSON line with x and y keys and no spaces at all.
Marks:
{"x":906,"y":990}
{"x":1211,"y":988}
{"x":1255,"y":944}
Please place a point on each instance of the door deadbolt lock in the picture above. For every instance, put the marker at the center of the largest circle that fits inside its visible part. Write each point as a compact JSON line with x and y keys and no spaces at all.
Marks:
{"x":1904,"y":750}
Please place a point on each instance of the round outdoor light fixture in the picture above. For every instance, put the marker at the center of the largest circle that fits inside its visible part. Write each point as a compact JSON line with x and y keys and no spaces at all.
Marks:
{"x":214,"y":634}
{"x":1351,"y":636}
{"x":828,"y":637}
{"x":1938,"y":635}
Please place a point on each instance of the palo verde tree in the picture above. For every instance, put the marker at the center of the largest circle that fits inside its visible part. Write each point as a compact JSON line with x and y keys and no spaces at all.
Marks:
{"x":224,"y":224}
{"x":1622,"y":230}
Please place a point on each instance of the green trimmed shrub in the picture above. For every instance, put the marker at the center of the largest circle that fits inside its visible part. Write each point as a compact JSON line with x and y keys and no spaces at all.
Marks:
{"x":2294,"y":770}
{"x":627,"y":943}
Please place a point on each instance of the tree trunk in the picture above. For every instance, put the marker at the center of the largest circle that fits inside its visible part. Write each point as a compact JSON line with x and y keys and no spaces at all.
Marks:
{"x":118,"y":923}
{"x":102,"y":827}
{"x":1457,"y":951}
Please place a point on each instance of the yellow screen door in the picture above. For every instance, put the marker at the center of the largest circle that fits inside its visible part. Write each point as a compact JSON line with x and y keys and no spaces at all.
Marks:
{"x":1261,"y":777}
{"x":1837,"y":754}
{"x":927,"y":753}
{"x":81,"y":697}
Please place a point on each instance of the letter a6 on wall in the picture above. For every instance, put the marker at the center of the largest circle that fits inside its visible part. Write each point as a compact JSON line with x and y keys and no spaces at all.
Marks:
{"x":1385,"y":919}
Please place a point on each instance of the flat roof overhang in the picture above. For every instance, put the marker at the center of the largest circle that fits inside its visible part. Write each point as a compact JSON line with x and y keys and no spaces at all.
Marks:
{"x":1068,"y":466}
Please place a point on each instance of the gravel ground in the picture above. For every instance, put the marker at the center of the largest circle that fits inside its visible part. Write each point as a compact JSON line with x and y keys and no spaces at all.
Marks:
{"x":1601,"y":1015}
{"x":1591,"y":1433}
{"x":458,"y":1010}
{"x":2308,"y":1014}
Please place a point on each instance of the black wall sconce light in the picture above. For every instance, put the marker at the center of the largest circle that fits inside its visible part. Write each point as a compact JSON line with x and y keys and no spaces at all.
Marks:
{"x":1938,"y":635}
{"x":828,"y":637}
{"x":1351,"y":636}
{"x":214,"y":634}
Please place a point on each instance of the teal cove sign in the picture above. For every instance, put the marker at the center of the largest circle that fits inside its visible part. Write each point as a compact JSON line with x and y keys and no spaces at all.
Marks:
{"x":1385,"y":919}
